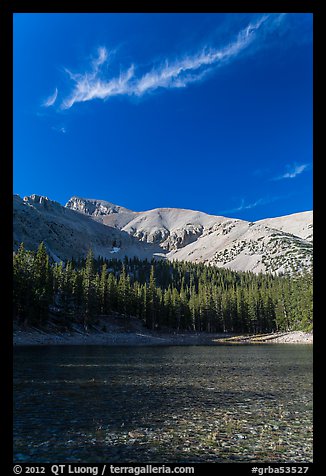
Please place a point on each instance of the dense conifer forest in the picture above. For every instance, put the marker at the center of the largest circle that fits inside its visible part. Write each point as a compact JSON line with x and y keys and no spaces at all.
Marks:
{"x":177,"y":295}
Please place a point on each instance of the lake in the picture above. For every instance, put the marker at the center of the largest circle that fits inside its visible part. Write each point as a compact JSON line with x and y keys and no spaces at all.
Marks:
{"x":247,"y":403}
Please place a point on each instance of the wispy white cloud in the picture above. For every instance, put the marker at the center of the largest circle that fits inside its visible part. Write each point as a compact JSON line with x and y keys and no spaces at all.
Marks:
{"x":89,"y":86}
{"x":260,"y":201}
{"x":293,"y":171}
{"x":192,"y":68}
{"x":94,"y":84}
{"x":51,"y":99}
{"x":61,"y":129}
{"x":101,"y":59}
{"x":246,"y":206}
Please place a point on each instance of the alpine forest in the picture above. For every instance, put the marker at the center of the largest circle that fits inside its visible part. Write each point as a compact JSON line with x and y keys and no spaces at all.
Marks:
{"x":164,"y":295}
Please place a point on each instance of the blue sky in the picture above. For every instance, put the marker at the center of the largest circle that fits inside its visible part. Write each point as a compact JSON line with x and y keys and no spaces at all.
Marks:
{"x":211,"y":112}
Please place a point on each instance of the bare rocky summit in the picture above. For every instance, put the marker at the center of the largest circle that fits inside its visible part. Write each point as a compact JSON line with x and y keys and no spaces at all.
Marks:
{"x":94,"y":207}
{"x":69,"y":234}
{"x":273,"y":245}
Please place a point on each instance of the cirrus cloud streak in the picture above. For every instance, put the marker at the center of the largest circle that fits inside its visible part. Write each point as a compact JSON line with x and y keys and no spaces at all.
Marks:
{"x":293,"y":171}
{"x":51,"y":99}
{"x":95,"y":84}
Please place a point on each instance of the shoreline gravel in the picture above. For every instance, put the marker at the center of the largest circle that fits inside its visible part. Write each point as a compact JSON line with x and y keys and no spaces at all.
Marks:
{"x":153,"y":338}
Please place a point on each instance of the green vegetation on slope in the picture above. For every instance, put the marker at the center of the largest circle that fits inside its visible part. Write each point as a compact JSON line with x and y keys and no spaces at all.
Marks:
{"x":179,"y":295}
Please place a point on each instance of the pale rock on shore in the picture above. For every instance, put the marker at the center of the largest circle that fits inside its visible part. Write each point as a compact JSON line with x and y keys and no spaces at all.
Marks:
{"x":294,"y":337}
{"x":145,"y":338}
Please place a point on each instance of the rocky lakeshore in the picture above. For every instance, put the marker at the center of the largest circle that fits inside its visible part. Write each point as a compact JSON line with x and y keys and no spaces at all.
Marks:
{"x":115,"y":331}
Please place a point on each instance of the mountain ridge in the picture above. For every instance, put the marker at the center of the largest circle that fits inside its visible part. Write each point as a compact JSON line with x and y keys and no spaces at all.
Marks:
{"x":165,"y":233}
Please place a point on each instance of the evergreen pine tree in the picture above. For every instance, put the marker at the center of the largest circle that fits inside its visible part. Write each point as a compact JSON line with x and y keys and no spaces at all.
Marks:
{"x":89,"y":297}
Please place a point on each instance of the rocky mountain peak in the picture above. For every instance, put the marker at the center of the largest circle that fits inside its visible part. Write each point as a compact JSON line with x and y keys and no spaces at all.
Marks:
{"x":273,"y":245}
{"x":40,"y":201}
{"x":94,"y":207}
